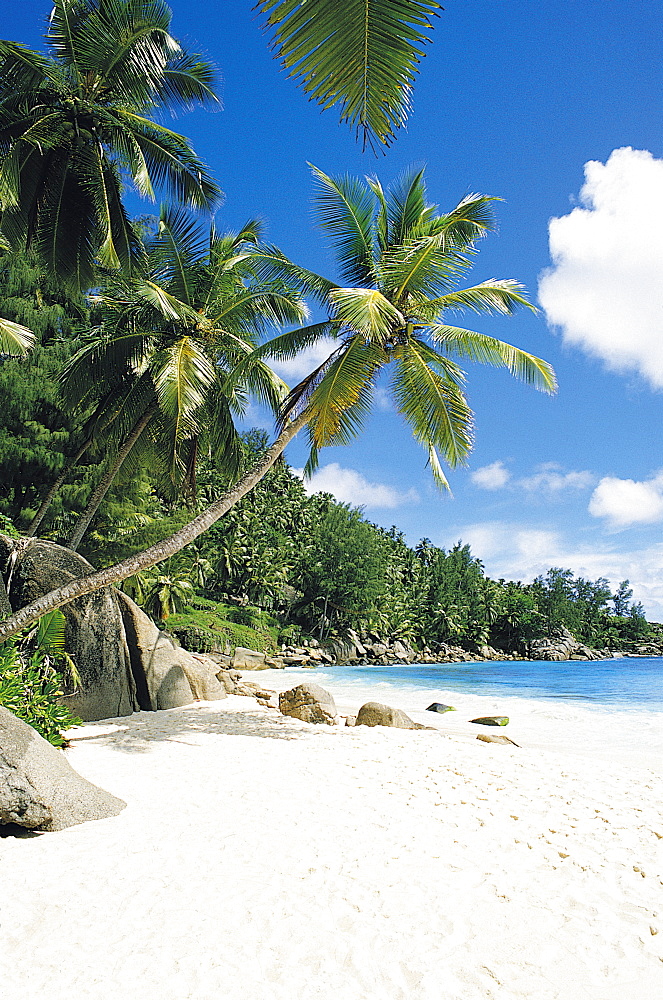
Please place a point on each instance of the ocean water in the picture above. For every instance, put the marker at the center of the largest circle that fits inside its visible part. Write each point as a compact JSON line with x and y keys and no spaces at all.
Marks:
{"x":607,"y":708}
{"x":628,"y":682}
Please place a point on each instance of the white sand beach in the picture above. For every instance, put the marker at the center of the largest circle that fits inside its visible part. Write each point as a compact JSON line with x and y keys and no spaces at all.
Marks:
{"x":261,"y":858}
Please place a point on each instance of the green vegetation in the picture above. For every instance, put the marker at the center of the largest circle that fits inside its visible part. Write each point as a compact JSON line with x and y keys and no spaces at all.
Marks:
{"x":181,"y":355}
{"x":33,"y":675}
{"x":283,"y":564}
{"x":360,"y":57}
{"x":74,"y":121}
{"x":210,"y":625}
{"x":118,"y":430}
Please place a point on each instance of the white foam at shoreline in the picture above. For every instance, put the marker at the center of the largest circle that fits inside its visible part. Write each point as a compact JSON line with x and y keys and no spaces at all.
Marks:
{"x":604,"y":732}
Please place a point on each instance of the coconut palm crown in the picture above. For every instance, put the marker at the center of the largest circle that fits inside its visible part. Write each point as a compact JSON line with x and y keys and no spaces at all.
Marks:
{"x":401,"y":259}
{"x":76,"y":124}
{"x":154,"y":374}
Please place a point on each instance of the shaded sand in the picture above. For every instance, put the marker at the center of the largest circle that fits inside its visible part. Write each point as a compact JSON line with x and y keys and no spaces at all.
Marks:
{"x":261,"y":858}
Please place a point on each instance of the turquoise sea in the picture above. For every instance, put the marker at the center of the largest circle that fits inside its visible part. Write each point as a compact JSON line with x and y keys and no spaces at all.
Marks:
{"x":609,"y":708}
{"x":629,"y":682}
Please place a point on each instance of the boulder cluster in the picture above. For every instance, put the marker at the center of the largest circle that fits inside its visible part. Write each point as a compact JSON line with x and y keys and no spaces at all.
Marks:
{"x":126,"y":664}
{"x":308,"y":654}
{"x":561,"y":645}
{"x":309,"y":702}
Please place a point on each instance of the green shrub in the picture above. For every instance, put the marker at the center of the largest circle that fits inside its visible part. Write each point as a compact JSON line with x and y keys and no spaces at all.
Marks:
{"x":30,"y":688}
{"x":7,"y":527}
{"x":205,"y":625}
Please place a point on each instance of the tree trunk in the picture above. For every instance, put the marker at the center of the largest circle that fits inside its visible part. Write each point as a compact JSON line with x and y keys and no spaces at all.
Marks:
{"x":5,"y":606}
{"x":162,"y":550}
{"x":46,"y":502}
{"x":104,"y":485}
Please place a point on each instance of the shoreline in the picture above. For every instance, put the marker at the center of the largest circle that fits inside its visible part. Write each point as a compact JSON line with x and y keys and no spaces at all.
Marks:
{"x":623,"y":734}
{"x":266,"y":859}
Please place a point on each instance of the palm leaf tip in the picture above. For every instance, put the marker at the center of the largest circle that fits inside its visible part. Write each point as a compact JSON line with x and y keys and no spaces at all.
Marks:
{"x":363,"y":62}
{"x":15,"y":340}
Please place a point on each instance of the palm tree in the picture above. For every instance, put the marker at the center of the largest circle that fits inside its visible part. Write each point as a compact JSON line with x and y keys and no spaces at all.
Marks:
{"x":403,"y":259}
{"x":361,"y":55}
{"x":76,"y":123}
{"x":167,"y":345}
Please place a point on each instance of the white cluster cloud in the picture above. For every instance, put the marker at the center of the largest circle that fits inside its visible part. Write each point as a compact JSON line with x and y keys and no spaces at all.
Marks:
{"x":605,"y":288}
{"x":548,"y":478}
{"x":518,"y":552}
{"x":624,"y":502}
{"x":295,"y":369}
{"x":491,"y":477}
{"x":349,"y":486}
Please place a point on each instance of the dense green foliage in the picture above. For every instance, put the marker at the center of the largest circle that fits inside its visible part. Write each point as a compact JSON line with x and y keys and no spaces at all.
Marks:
{"x":283,"y":563}
{"x":37,"y":432}
{"x":173,"y":348}
{"x":212,"y":625}
{"x":77,"y":123}
{"x":402,"y":259}
{"x":33,"y":675}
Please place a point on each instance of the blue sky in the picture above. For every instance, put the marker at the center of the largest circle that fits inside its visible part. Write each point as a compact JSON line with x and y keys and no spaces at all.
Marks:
{"x":514,"y":99}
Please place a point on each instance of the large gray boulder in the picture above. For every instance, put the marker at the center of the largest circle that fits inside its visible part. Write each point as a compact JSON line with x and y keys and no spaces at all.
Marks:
{"x":373,"y":713}
{"x":308,"y":702}
{"x":166,"y":675}
{"x":39,"y":789}
{"x":248,"y":659}
{"x":95,"y":637}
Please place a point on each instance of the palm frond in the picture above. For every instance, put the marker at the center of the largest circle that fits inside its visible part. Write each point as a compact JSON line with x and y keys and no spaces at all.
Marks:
{"x":406,"y":203}
{"x":341,"y":398}
{"x":420,"y":268}
{"x":182,"y":373}
{"x":106,"y":361}
{"x":21,"y":69}
{"x":14,"y":338}
{"x":225,"y":444}
{"x":265,"y":385}
{"x":428,"y":392}
{"x":69,"y":233}
{"x":471,"y":219}
{"x":189,"y":81}
{"x":381,"y":219}
{"x":492,"y":296}
{"x":51,"y":629}
{"x":178,"y":245}
{"x":367,"y":311}
{"x":283,"y":348}
{"x":489,"y":351}
{"x":361,"y":58}
{"x":168,"y":305}
{"x":269,"y":264}
{"x":345,"y":207}
{"x":172,"y":164}
{"x":115,"y":48}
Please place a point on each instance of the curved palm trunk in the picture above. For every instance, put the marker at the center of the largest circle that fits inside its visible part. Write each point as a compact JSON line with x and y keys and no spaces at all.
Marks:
{"x":48,"y":499}
{"x":162,"y":550}
{"x":104,"y":485}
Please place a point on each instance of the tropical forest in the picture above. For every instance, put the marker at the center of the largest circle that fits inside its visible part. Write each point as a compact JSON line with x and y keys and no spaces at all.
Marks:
{"x":135,"y":342}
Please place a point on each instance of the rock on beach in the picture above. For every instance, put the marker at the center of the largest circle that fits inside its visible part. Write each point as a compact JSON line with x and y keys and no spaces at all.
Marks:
{"x":310,"y":703}
{"x":39,"y":788}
